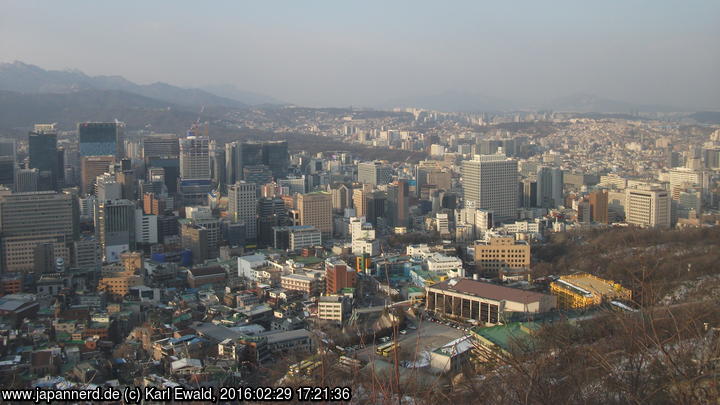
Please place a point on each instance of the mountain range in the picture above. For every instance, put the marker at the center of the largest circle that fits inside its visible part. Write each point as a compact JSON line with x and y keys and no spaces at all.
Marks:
{"x":30,"y":79}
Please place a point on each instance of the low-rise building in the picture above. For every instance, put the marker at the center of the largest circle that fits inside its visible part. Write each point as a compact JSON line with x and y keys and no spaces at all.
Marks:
{"x":484,"y":302}
{"x":583,"y":290}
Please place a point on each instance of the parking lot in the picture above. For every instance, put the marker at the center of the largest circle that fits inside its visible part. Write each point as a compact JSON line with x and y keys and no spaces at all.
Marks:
{"x":427,"y":337}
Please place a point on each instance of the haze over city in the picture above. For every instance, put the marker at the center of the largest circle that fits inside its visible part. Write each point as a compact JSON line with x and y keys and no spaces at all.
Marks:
{"x":408,"y":202}
{"x":378,"y":54}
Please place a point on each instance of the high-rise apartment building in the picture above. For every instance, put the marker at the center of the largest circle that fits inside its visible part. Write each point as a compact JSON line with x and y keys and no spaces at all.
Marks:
{"x":316,"y":210}
{"x":648,"y":206}
{"x":490,"y":182}
{"x":242,"y":206}
{"x":374,"y":173}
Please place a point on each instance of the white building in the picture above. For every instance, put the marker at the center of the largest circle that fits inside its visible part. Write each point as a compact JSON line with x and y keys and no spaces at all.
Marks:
{"x":247,"y":265}
{"x":438,"y":262}
{"x":242,"y":206}
{"x":146,"y":230}
{"x":648,"y":207}
{"x":490,"y":182}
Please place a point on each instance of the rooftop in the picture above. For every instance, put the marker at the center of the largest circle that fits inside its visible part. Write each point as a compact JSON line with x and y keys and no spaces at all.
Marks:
{"x":487,"y":290}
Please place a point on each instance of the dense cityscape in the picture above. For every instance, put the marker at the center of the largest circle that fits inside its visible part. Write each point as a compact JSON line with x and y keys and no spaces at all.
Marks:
{"x":188,"y":244}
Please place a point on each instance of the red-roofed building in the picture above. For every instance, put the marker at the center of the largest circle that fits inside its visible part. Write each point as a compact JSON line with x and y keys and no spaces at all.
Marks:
{"x":484,"y":302}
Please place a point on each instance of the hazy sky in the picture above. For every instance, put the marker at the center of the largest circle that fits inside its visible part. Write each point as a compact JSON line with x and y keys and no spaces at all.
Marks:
{"x":367,"y":52}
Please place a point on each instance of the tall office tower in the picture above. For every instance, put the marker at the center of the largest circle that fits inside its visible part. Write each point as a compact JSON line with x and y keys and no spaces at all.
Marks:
{"x":527,"y":193}
{"x":276,"y":156}
{"x":489,"y":146}
{"x":161,"y":145}
{"x":421,"y":173}
{"x":271,"y":213}
{"x":377,"y":209}
{"x":195,"y":181}
{"x":374,"y":173}
{"x":101,"y":138}
{"x":549,"y":187}
{"x":599,"y":206}
{"x":490,"y":182}
{"x":26,"y":180}
{"x":7,"y":162}
{"x":248,"y":154}
{"x":242,"y":206}
{"x":43,"y":155}
{"x":360,"y":199}
{"x":107,"y":188}
{"x":341,"y":197}
{"x":195,"y":158}
{"x":316,"y":210}
{"x":146,"y":228}
{"x":219,"y":173}
{"x":90,"y":168}
{"x":29,"y":219}
{"x":398,"y":203}
{"x":61,"y":168}
{"x":115,"y":228}
{"x":194,"y":238}
{"x":711,"y":157}
{"x":648,"y":206}
{"x":258,"y":174}
{"x":171,"y":171}
{"x":295,"y":185}
{"x":231,"y":162}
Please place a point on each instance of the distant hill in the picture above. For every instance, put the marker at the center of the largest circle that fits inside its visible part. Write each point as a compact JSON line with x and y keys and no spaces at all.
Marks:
{"x":247,"y":97}
{"x":24,"y":78}
{"x":22,"y":110}
{"x":706,"y":117}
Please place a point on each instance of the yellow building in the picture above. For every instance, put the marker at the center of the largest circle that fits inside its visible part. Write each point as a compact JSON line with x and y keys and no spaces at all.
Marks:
{"x":583,"y":290}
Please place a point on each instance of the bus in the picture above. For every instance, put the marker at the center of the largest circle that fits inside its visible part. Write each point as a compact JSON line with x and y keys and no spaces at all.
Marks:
{"x":386,"y":349}
{"x":305,"y":367}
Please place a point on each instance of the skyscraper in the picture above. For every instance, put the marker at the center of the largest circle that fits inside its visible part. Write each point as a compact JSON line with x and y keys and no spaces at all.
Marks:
{"x":242,"y":206}
{"x":374,"y":173}
{"x":7,"y":162}
{"x":195,"y":175}
{"x":90,"y":168}
{"x":26,"y":180}
{"x":194,"y":158}
{"x":101,"y":138}
{"x":43,"y":155}
{"x":316,"y":210}
{"x":275,"y":156}
{"x":549,"y":187}
{"x":490,"y":182}
{"x":115,"y":228}
{"x":161,"y":145}
{"x":29,"y":219}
